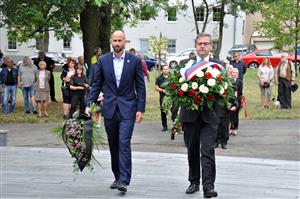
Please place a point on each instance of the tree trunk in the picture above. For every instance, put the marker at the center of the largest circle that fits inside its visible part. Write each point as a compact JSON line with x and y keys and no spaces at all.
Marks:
{"x":95,"y":24}
{"x":221,"y":25}
{"x":195,"y":18}
{"x":43,"y":43}
{"x":206,"y":16}
{"x":297,"y":64}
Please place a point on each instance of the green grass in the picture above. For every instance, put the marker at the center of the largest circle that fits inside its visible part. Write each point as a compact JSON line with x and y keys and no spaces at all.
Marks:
{"x":251,"y":92}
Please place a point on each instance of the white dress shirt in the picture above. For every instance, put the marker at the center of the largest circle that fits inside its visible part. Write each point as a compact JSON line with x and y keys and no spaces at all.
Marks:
{"x":118,"y":67}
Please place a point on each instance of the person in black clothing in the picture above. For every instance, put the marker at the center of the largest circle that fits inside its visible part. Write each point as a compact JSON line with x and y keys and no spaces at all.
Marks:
{"x":65,"y":76}
{"x":50,"y":67}
{"x":234,"y":114}
{"x":239,"y":64}
{"x":78,"y":86}
{"x":159,"y":81}
{"x":200,"y":128}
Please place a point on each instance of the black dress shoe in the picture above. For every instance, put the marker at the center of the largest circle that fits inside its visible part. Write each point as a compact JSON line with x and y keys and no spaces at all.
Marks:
{"x":224,"y":146}
{"x":114,"y":185}
{"x":209,"y":193}
{"x":192,"y":189}
{"x":54,"y":100}
{"x":122,"y":187}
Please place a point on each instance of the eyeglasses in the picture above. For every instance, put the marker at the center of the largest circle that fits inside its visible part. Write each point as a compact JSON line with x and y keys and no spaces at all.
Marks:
{"x":203,"y":43}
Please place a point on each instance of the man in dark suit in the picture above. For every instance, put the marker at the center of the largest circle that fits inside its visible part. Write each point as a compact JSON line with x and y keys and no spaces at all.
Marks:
{"x":200,"y":131}
{"x":119,"y":76}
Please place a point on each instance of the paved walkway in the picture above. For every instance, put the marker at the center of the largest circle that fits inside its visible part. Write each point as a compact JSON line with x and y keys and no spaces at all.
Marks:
{"x":47,"y":173}
{"x":269,"y":139}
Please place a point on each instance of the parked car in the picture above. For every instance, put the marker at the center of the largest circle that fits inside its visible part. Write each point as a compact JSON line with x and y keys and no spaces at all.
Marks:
{"x":241,"y":49}
{"x":173,"y":61}
{"x":151,"y":61}
{"x":254,"y":59}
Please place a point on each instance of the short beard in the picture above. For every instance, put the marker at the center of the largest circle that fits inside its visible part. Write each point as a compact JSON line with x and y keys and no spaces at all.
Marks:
{"x":117,"y":49}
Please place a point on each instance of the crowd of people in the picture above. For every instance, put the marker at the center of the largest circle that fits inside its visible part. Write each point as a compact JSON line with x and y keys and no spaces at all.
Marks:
{"x":28,"y":74}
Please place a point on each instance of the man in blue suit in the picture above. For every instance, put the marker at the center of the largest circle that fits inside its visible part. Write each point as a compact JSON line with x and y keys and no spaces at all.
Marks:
{"x":119,"y":76}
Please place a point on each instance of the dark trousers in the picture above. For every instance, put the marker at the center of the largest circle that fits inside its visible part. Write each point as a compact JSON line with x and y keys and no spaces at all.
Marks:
{"x":77,"y":99}
{"x":200,"y":138}
{"x":223,"y":129}
{"x":284,"y":93}
{"x":163,"y":115}
{"x":234,"y":119}
{"x":52,"y":88}
{"x":119,"y":132}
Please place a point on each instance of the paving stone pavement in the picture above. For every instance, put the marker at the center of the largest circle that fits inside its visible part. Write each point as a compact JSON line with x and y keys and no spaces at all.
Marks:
{"x":28,"y":172}
{"x":269,"y":139}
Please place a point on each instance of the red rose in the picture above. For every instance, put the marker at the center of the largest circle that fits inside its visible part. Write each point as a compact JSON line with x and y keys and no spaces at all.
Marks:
{"x":216,"y":66}
{"x":191,"y":93}
{"x":197,"y":100}
{"x":194,"y":77}
{"x":219,"y":78}
{"x":180,"y":93}
{"x":210,"y":97}
{"x":224,"y":94}
{"x":208,"y":75}
{"x":174,"y":86}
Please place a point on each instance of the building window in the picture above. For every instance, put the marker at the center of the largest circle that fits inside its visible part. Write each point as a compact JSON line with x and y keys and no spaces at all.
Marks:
{"x":217,"y":14}
{"x":144,"y":45}
{"x":12,"y":44}
{"x":67,"y":44}
{"x":200,"y":13}
{"x":172,"y":14}
{"x":172,"y":46}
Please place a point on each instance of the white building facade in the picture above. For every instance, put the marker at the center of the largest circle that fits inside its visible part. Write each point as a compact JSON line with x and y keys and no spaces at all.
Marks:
{"x":181,"y":32}
{"x":71,"y":48}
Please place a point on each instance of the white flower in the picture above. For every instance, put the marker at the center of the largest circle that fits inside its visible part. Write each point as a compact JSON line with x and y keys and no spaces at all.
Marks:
{"x":200,"y":73}
{"x":211,"y":82}
{"x":209,"y":69}
{"x":215,"y":72}
{"x":225,"y":85}
{"x":221,"y":90}
{"x":184,"y":87}
{"x":203,"y":89}
{"x":181,"y":80}
{"x":194,"y":85}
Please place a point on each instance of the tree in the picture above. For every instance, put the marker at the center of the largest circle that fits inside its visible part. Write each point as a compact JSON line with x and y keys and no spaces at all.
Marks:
{"x":158,"y":46}
{"x":34,"y":19}
{"x":280,"y":20}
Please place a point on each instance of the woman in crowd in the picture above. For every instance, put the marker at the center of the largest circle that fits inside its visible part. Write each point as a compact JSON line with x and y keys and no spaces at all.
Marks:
{"x":42,"y":88}
{"x":66,"y":75}
{"x":78,"y":86}
{"x":25,"y":81}
{"x":234,"y":115}
{"x":265,"y":76}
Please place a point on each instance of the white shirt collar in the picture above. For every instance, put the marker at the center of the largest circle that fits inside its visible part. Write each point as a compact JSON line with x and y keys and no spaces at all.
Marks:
{"x":205,"y":58}
{"x":122,"y":56}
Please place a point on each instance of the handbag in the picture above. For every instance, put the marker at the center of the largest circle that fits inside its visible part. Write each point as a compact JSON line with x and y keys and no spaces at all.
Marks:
{"x":266,"y":85}
{"x":294,"y":87}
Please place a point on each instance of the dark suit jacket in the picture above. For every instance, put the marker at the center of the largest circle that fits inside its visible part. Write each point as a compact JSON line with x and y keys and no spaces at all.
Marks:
{"x":129,"y":97}
{"x":208,"y":116}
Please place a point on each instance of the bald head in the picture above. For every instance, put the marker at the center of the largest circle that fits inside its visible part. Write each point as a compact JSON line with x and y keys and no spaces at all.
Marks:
{"x":118,"y":41}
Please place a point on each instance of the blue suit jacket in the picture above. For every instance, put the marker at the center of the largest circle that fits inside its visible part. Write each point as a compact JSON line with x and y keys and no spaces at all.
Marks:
{"x":130,"y":96}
